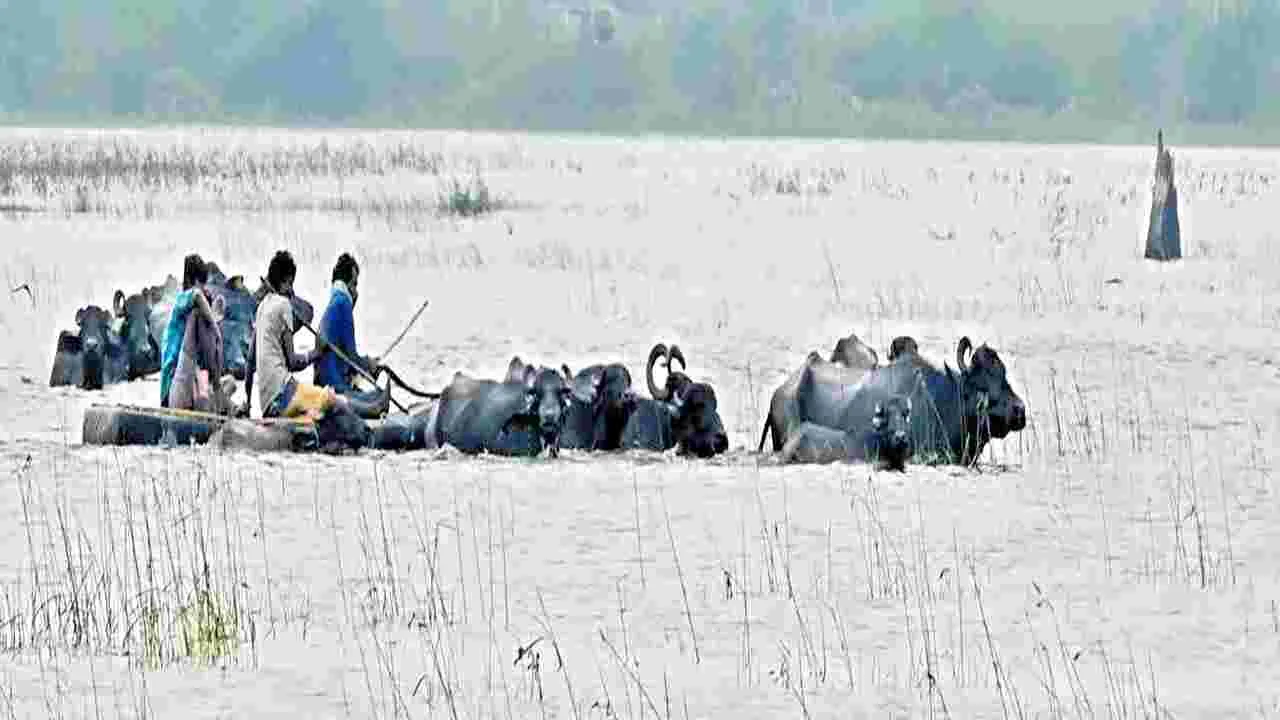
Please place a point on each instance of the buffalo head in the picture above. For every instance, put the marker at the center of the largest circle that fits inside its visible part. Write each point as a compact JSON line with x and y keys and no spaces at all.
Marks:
{"x":695,"y":418}
{"x":341,"y":429}
{"x":902,"y":345}
{"x":240,"y":307}
{"x":548,"y":394}
{"x":890,"y":437}
{"x":989,"y":404}
{"x":95,"y":344}
{"x":852,"y":352}
{"x":606,"y":392}
{"x":135,"y":331}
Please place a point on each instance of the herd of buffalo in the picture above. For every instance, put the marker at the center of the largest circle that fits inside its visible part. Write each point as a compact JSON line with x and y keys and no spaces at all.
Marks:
{"x":848,"y":406}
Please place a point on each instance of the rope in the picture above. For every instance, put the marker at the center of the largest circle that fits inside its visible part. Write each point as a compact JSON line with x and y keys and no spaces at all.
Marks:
{"x":404,"y":385}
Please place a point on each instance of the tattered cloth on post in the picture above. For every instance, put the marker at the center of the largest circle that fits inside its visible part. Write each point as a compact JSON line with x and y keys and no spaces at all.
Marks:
{"x":1164,"y":237}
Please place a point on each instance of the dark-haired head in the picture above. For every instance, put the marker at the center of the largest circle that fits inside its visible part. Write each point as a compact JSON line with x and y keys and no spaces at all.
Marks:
{"x":194,"y":271}
{"x":281,"y":272}
{"x":346,"y":269}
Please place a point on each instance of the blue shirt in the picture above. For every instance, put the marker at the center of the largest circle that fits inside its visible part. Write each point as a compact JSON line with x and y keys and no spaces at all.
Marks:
{"x":338,"y":326}
{"x":171,"y":348}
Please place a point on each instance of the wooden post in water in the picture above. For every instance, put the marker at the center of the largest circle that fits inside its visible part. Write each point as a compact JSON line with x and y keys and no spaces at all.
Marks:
{"x":1164,"y":236}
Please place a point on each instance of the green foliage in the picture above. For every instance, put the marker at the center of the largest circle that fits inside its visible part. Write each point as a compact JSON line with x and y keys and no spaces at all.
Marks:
{"x":833,"y":66}
{"x":468,"y":199}
{"x":207,"y":629}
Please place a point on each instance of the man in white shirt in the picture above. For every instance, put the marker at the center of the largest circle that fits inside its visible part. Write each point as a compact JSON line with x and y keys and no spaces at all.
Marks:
{"x":275,"y":361}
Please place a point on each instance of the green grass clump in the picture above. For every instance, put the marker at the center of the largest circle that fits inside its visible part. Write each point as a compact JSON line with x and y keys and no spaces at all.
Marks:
{"x":207,"y":629}
{"x":469,"y":198}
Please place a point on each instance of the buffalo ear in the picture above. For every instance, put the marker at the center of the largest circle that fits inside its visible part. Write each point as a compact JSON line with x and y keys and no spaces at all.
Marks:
{"x":530,"y":376}
{"x":516,"y":369}
{"x":69,"y":343}
{"x":117,"y":303}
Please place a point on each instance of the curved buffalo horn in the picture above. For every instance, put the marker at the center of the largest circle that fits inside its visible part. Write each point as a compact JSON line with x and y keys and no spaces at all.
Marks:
{"x":564,"y":368}
{"x":675,"y":354}
{"x":658,"y":351}
{"x":117,"y":303}
{"x":963,"y":347}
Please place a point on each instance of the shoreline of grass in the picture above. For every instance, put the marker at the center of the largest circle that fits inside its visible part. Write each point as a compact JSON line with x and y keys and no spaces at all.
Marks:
{"x":876,"y":122}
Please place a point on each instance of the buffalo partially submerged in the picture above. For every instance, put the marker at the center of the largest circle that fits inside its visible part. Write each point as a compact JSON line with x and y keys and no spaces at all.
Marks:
{"x":902,"y":345}
{"x":520,"y":415}
{"x":601,"y":403}
{"x":954,"y":413}
{"x":143,"y":351}
{"x":682,"y":414}
{"x":850,"y":359}
{"x":412,"y":430}
{"x":886,"y":440}
{"x":91,"y":358}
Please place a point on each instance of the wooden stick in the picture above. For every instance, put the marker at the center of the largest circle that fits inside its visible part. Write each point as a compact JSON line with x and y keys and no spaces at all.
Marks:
{"x":202,"y":416}
{"x":400,"y":337}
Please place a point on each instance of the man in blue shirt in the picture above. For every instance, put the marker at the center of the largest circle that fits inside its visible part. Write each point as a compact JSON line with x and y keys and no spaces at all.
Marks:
{"x":337,"y":325}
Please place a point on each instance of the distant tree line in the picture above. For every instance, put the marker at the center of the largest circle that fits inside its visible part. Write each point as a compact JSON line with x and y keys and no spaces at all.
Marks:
{"x":803,"y":66}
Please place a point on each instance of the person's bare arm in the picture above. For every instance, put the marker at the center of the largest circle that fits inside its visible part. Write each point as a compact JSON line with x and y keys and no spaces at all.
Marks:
{"x":295,"y":361}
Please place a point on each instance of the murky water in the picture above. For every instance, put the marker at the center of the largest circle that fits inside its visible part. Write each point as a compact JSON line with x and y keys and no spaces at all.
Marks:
{"x":1117,"y":557}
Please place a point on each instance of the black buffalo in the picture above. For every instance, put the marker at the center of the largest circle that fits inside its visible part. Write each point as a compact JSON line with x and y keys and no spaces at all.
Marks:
{"x":91,"y":358}
{"x":600,"y":405}
{"x":520,"y":415}
{"x":954,"y":413}
{"x":682,"y":414}
{"x":142,"y":349}
{"x":902,"y":345}
{"x":886,"y":440}
{"x":849,"y":360}
{"x":412,"y":430}
{"x":240,"y":308}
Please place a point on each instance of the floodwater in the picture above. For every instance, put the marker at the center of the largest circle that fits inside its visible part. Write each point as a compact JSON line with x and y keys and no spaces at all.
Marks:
{"x":1117,"y":558}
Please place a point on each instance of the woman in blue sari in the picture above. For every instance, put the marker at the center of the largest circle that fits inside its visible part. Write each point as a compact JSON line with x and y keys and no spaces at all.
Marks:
{"x":192,"y":297}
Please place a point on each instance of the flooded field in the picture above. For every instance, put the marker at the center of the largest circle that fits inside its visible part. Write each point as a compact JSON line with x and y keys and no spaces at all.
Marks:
{"x":1120,"y":557}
